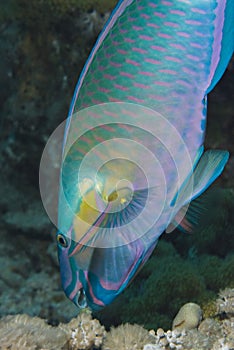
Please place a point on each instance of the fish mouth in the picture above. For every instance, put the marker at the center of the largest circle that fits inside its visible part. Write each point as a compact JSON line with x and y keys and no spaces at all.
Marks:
{"x":81,"y":300}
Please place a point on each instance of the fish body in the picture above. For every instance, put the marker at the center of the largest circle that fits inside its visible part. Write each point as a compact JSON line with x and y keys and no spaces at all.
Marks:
{"x":133,"y":145}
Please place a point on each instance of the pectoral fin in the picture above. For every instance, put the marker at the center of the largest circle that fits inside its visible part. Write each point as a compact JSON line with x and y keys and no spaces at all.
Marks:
{"x":208,"y":169}
{"x":205,"y":173}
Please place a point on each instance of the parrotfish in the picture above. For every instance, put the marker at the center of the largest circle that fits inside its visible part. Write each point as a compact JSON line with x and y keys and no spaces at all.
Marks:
{"x":133,"y":155}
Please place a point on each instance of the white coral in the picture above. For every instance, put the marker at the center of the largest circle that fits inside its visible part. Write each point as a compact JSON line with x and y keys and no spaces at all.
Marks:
{"x":84,"y":332}
{"x":170,"y":339}
{"x":225,"y":302}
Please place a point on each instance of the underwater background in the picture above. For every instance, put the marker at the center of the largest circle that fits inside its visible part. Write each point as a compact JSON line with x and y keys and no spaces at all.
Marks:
{"x":44,"y":45}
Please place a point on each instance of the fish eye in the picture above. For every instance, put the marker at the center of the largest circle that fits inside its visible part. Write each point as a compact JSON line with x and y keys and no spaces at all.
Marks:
{"x":62,"y":241}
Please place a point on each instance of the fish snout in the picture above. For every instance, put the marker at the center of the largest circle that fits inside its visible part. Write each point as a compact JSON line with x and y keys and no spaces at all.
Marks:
{"x":80,"y":299}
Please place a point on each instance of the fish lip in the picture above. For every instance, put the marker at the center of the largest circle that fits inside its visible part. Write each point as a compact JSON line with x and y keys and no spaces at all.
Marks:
{"x":81,"y":300}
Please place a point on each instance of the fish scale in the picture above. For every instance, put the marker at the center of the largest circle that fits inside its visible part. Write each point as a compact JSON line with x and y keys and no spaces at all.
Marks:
{"x":162,"y":69}
{"x":137,"y":67}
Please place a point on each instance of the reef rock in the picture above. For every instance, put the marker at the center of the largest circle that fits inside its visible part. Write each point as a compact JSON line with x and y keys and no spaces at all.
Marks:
{"x":188,"y":317}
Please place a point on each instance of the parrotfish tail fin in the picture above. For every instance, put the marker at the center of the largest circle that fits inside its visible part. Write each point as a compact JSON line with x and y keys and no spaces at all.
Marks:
{"x":206,"y":172}
{"x":223,"y":44}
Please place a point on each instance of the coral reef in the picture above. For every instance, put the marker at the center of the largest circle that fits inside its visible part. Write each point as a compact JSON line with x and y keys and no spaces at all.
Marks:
{"x":212,"y":333}
{"x":23,"y":332}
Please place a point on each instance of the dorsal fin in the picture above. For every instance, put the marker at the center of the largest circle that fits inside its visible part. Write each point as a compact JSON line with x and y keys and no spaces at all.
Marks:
{"x":223,"y":45}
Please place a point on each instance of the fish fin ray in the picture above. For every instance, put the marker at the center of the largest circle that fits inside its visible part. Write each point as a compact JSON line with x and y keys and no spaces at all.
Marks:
{"x":188,"y":217}
{"x":209,"y":167}
{"x":184,"y":185}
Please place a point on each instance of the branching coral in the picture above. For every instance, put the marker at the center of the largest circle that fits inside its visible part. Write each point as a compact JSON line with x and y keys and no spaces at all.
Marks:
{"x":84,"y":332}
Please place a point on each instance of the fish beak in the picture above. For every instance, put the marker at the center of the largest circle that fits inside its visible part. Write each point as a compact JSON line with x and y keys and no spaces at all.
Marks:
{"x":81,"y":300}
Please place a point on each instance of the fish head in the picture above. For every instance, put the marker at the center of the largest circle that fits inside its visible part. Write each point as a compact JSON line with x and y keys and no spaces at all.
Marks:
{"x":70,"y":271}
{"x":97,"y":257}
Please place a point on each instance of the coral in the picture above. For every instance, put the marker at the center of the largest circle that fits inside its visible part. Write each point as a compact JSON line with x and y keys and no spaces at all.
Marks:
{"x":210,"y":326}
{"x":209,"y":308}
{"x":228,"y":333}
{"x":152,"y":347}
{"x":188,"y":317}
{"x":220,"y":334}
{"x":211,"y":334}
{"x":170,"y":339}
{"x":221,"y":344}
{"x":126,"y":337}
{"x":225,"y":302}
{"x":84,"y":332}
{"x":22,"y":332}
